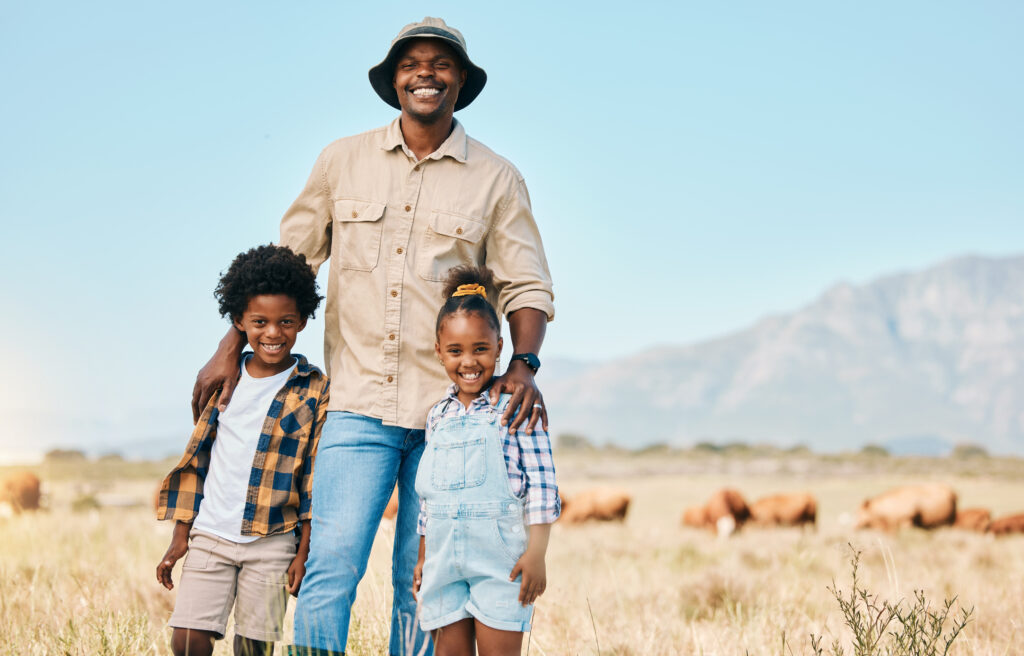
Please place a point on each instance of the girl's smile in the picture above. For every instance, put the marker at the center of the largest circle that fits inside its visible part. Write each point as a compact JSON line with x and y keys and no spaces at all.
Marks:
{"x":468,"y":348}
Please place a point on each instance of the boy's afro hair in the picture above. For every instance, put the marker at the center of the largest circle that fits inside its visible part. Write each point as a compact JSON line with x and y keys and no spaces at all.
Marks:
{"x":267,"y":269}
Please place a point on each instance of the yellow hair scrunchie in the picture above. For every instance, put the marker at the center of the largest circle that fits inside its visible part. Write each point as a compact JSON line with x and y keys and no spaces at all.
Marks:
{"x":470,"y":290}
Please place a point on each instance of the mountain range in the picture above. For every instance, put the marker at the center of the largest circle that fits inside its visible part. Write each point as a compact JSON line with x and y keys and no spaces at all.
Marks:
{"x":917,"y":361}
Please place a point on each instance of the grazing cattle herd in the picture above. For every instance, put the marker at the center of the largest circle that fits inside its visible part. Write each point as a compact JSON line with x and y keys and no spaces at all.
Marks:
{"x":925,"y":506}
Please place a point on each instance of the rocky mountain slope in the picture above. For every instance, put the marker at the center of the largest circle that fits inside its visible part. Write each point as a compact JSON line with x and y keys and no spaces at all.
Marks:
{"x":923,"y":358}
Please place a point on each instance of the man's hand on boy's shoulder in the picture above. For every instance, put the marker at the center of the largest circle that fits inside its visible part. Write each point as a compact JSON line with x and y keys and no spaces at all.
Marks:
{"x":178,"y":548}
{"x":219,"y":373}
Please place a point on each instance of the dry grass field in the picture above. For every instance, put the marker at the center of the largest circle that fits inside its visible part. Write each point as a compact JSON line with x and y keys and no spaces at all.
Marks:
{"x":79,"y":580}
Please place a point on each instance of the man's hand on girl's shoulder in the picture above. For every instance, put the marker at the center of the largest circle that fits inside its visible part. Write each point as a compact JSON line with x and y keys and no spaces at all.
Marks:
{"x":519,"y":382}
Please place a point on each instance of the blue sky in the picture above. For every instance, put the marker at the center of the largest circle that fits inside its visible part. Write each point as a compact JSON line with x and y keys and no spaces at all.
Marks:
{"x":693,"y":167}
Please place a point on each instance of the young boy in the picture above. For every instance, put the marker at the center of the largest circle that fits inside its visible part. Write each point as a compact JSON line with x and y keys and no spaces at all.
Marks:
{"x":242,"y":490}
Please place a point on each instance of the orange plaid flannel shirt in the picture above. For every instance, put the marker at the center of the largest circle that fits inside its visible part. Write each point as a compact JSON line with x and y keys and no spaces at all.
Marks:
{"x":281,"y":484}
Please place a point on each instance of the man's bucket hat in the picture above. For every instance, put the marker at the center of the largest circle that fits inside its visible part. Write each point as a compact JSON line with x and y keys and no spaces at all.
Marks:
{"x":383,"y":74}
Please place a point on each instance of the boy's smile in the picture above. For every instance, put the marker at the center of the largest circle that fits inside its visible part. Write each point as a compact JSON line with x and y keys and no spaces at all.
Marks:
{"x":271,"y":323}
{"x":468,"y":347}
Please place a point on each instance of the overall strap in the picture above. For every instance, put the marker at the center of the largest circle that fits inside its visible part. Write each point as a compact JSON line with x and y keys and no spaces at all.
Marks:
{"x":502,"y":403}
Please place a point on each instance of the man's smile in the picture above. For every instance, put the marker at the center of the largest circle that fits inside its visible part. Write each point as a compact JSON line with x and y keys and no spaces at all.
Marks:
{"x":426,"y":92}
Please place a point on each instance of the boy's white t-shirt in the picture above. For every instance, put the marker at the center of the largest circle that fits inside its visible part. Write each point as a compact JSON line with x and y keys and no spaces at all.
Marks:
{"x":238,"y":432}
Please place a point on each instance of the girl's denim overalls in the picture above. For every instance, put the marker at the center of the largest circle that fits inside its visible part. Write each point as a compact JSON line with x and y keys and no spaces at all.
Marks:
{"x":475,"y":526}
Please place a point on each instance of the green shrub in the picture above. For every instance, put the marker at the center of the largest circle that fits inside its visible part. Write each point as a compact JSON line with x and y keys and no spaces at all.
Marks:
{"x":968,"y":450}
{"x":64,"y":455}
{"x":573,"y":441}
{"x":85,"y":503}
{"x":882,"y":628}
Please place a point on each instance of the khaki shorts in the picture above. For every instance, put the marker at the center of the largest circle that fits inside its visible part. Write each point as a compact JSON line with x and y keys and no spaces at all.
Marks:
{"x":252,"y":577}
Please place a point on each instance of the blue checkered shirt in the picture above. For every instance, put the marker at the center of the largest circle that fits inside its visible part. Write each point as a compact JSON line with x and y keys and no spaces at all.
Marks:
{"x":531,"y":469}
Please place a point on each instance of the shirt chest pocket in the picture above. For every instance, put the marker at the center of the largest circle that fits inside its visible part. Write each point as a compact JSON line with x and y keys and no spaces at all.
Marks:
{"x":355,"y":242}
{"x":449,"y":240}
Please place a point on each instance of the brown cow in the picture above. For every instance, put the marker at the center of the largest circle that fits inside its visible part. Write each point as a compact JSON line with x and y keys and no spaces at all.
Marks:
{"x":1008,"y":524}
{"x":21,"y":490}
{"x":973,"y":519}
{"x":797,"y":509}
{"x":724,"y":512}
{"x":697,"y":517}
{"x":600,"y":504}
{"x":392,"y":508}
{"x":926,"y":506}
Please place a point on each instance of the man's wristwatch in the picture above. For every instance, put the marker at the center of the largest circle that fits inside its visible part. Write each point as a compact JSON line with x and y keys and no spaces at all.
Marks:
{"x":531,"y":360}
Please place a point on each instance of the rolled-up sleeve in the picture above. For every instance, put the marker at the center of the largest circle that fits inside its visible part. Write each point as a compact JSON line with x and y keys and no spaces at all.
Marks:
{"x":515,"y":254}
{"x":306,"y":226}
{"x":543,"y":505}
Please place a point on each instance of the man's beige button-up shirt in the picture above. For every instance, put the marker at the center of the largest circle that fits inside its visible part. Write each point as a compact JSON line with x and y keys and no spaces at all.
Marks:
{"x":392,"y":226}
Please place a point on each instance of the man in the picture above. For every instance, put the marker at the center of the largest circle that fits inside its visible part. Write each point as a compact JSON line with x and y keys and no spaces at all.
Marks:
{"x":394,"y":209}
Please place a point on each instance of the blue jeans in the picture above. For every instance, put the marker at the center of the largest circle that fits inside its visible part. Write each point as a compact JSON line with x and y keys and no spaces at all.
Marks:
{"x":358,"y":462}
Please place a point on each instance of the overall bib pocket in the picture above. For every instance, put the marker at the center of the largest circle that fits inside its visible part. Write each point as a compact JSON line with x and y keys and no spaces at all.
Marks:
{"x":458,"y":465}
{"x":357,"y":231}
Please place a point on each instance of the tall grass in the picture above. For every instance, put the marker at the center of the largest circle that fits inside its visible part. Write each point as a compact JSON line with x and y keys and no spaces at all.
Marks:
{"x":83,"y":583}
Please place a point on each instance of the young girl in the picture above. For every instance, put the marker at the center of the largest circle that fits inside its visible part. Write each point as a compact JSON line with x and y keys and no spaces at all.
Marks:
{"x":487,"y":497}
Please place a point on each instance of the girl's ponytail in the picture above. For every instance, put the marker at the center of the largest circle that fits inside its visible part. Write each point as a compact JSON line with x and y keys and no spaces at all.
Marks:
{"x":465,"y":290}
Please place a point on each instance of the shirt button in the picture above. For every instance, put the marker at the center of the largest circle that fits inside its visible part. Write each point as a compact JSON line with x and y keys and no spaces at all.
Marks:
{"x":416,"y":168}
{"x":391,"y":336}
{"x":355,"y":214}
{"x":458,"y":231}
{"x":399,"y":250}
{"x":390,"y":378}
{"x":394,"y":293}
{"x":408,"y":208}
